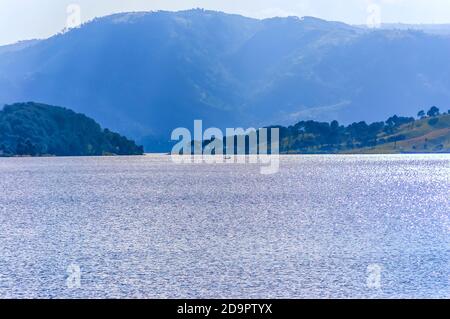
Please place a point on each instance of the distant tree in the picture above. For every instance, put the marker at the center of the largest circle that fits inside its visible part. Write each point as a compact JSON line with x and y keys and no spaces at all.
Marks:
{"x":396,"y":121}
{"x":421,"y":114}
{"x":434,"y":111}
{"x":334,"y":134}
{"x":334,"y":125}
{"x":391,"y":122}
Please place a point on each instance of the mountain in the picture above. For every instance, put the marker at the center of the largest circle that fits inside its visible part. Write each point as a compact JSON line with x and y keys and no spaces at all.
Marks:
{"x":146,"y":73}
{"x":39,"y":129}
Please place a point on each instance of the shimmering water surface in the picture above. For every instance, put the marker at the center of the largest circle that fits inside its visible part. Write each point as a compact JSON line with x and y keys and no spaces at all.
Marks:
{"x":146,"y":227}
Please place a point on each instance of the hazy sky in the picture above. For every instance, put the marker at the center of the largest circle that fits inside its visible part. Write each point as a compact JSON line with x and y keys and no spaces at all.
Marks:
{"x":26,"y":19}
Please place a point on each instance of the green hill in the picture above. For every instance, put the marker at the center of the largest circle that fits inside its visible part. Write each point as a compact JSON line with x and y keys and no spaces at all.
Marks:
{"x":429,"y":134}
{"x":38,"y":129}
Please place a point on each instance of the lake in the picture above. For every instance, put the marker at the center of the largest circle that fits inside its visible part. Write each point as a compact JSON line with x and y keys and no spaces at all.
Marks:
{"x":324,"y":226}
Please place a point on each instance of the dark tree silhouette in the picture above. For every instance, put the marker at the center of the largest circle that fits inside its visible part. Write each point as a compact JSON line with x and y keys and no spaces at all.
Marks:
{"x":434,"y":111}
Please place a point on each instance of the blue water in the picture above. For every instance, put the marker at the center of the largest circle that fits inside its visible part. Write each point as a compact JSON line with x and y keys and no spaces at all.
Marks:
{"x":146,"y":227}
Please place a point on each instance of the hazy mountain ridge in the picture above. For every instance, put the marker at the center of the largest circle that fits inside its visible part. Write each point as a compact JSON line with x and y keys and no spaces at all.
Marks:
{"x":14,"y":47}
{"x":147,"y":73}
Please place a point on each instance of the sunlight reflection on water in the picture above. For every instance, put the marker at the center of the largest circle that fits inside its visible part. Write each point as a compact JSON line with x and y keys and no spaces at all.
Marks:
{"x":146,"y":227}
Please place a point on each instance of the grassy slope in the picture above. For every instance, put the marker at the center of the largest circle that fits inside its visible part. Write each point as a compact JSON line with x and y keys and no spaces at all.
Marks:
{"x":421,"y":137}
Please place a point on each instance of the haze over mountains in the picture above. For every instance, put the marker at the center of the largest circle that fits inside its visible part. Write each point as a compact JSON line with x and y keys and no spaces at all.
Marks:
{"x":144,"y":74}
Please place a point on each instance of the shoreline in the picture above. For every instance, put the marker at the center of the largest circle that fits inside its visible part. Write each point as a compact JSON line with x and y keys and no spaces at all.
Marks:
{"x":281,"y":154}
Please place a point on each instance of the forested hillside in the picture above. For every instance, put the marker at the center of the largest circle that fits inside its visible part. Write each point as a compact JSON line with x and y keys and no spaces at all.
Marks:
{"x":38,"y":129}
{"x":430,"y":132}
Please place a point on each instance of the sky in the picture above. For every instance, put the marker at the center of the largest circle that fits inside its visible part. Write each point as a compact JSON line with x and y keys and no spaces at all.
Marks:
{"x":29,"y":19}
